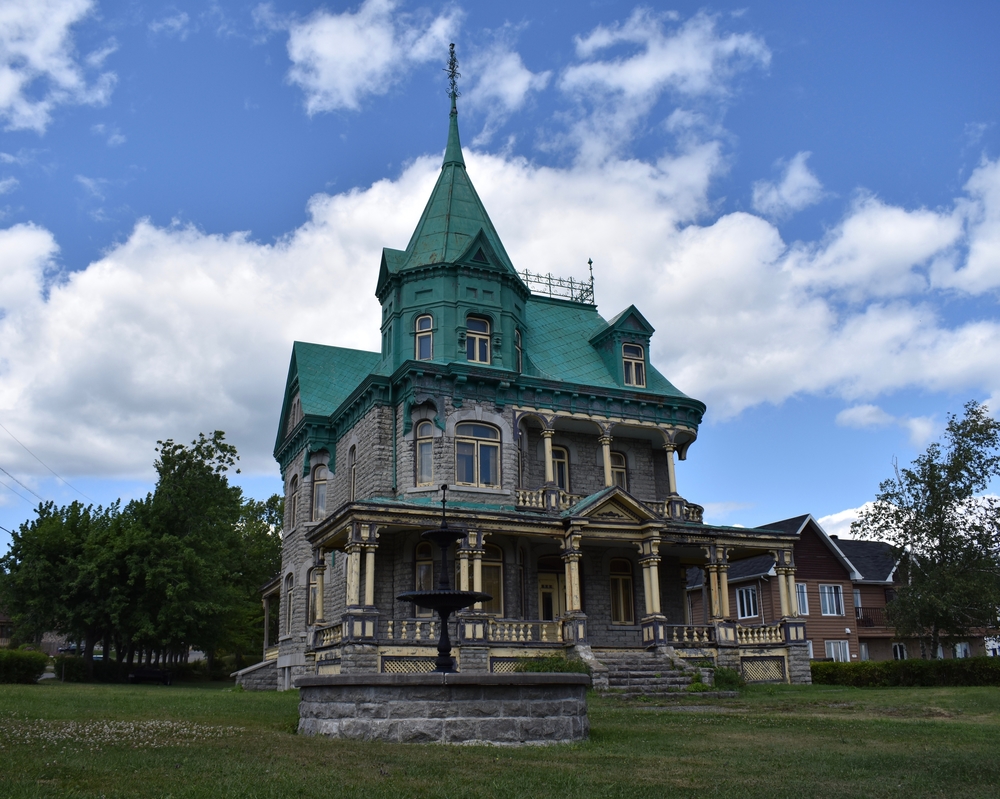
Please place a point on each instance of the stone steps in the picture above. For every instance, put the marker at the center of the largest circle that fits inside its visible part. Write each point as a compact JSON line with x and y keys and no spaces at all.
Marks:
{"x":641,"y":673}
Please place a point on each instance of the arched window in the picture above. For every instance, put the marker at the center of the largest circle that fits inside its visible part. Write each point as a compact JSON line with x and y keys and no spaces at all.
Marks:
{"x":635,"y":365}
{"x":425,"y":454}
{"x":619,"y":471}
{"x":352,"y":473}
{"x":518,"y":352}
{"x":289,"y":587}
{"x":425,"y":338}
{"x":492,"y":570}
{"x":313,"y":604}
{"x":319,"y":492}
{"x":477,"y":455}
{"x":622,"y":611}
{"x":293,"y":502}
{"x":477,"y":339}
{"x":423,"y":574}
{"x":294,"y":413}
{"x":560,"y":467}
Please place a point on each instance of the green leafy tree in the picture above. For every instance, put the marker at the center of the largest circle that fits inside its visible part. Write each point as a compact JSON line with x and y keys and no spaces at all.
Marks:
{"x":945,"y":532}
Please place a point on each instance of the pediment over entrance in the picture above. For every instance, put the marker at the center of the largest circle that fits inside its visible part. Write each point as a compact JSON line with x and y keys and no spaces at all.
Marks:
{"x":612,"y":505}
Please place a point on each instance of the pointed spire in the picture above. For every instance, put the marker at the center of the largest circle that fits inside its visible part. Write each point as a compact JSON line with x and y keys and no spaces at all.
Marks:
{"x":453,"y":152}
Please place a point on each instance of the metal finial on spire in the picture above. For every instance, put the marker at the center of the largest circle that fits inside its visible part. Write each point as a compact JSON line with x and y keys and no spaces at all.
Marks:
{"x":453,"y":74}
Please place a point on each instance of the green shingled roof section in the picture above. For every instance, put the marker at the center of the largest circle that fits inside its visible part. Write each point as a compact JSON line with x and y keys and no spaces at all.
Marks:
{"x":328,"y":375}
{"x":558,"y":346}
{"x":453,"y":216}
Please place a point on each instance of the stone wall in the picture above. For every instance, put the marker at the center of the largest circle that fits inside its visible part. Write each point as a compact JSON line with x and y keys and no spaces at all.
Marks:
{"x":799,"y":672}
{"x":446,"y":708}
{"x":259,"y":677}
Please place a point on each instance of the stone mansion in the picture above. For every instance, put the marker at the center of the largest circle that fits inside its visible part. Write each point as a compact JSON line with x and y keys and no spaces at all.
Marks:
{"x":556,"y":437}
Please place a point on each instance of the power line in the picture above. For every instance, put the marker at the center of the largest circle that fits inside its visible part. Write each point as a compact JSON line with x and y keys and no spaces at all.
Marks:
{"x":22,"y":496}
{"x":6,"y":530}
{"x":33,"y":455}
{"x":41,"y":498}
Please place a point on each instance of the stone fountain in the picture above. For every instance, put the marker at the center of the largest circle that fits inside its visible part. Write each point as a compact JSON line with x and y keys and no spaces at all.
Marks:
{"x":443,"y":705}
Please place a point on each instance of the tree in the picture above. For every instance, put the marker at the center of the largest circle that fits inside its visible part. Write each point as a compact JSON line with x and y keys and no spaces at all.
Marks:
{"x":945,"y":533}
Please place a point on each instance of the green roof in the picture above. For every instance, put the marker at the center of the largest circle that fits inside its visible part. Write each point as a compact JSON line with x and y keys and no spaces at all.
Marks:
{"x":557,"y":346}
{"x":328,"y":375}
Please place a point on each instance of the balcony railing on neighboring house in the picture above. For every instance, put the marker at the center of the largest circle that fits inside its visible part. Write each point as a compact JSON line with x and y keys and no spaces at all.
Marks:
{"x":871,"y":617}
{"x":535,"y":499}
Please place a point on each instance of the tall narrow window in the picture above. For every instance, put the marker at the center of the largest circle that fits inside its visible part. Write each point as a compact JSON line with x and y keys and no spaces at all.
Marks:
{"x":319,"y":493}
{"x":425,"y":338}
{"x":477,"y":455}
{"x":518,"y":352}
{"x":423,"y":575}
{"x":635,"y":365}
{"x":477,"y":339}
{"x":622,"y":611}
{"x":560,"y":467}
{"x":899,"y":651}
{"x":619,"y":471}
{"x":746,"y":602}
{"x":293,"y":502}
{"x":492,"y":569}
{"x":289,"y":587}
{"x":352,"y":473}
{"x":313,"y":603}
{"x":831,"y":600}
{"x":294,"y":413}
{"x":803,"y":599}
{"x":425,"y":454}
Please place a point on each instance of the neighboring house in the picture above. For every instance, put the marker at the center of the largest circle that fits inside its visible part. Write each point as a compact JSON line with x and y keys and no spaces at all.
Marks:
{"x":842,"y":587}
{"x":556,"y":437}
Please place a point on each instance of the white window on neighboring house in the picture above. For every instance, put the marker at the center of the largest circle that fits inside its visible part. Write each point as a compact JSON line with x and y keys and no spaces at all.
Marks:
{"x":863,"y":650}
{"x":746,"y":602}
{"x":838,"y":651}
{"x":963,"y":650}
{"x":809,"y":645}
{"x":831,"y":600}
{"x":899,"y":651}
{"x":803,"y":598}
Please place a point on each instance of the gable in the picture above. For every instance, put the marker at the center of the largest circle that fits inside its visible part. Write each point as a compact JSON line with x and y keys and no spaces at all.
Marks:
{"x":611,"y":505}
{"x":814,"y":560}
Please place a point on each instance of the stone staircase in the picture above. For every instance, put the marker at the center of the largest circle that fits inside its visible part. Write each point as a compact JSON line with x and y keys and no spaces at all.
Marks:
{"x":637,"y":673}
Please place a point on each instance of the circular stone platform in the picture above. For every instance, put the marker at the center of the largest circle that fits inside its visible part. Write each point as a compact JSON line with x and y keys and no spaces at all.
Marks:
{"x":508,"y":709}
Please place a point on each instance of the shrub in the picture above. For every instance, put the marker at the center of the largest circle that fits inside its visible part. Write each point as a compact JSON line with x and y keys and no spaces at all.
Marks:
{"x":910,"y":673}
{"x":728,"y":679}
{"x":553,"y":663}
{"x":21,"y":666}
{"x":70,"y":668}
{"x":698,"y":687}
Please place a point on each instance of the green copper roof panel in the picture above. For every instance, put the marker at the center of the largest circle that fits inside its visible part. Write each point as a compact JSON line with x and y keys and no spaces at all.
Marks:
{"x":558,"y":346}
{"x":328,"y":375}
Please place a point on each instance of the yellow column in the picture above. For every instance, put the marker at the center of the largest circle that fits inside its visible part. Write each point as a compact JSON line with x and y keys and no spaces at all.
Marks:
{"x":477,"y":574}
{"x":671,"y":473}
{"x":353,"y":574}
{"x":320,"y":571}
{"x":568,"y":580}
{"x":647,"y":588}
{"x":713,"y":590}
{"x":574,"y":573}
{"x":724,"y":589}
{"x":370,"y":574}
{"x":463,"y":570}
{"x":783,"y":591}
{"x":550,"y":475}
{"x":793,"y":598}
{"x":651,"y":580}
{"x":605,"y":441}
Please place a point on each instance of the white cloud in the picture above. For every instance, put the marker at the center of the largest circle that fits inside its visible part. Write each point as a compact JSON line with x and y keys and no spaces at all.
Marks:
{"x":112,"y":135}
{"x":981,"y":271}
{"x":8,"y":185}
{"x":38,"y":69}
{"x":839,"y":524}
{"x":799,"y":188}
{"x":178,"y":25}
{"x":864,"y":416}
{"x":502,"y":86}
{"x":338,"y":59}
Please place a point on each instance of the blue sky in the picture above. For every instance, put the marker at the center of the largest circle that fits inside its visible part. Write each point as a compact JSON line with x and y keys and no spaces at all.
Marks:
{"x":803,"y":200}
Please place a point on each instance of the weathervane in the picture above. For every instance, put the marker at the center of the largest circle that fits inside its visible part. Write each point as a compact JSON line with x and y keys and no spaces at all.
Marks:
{"x":453,"y":73}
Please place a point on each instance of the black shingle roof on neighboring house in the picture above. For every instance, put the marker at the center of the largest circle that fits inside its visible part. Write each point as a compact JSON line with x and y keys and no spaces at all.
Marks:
{"x":787,"y":526}
{"x":874,"y":559}
{"x":745,"y":569}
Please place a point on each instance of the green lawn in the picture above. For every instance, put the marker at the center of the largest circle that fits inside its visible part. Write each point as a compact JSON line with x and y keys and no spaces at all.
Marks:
{"x":150,"y":741}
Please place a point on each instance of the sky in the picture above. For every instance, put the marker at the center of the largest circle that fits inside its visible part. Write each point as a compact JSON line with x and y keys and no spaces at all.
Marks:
{"x":802,"y":198}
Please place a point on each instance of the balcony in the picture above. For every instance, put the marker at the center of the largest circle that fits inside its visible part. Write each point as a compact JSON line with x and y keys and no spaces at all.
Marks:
{"x":537,"y":499}
{"x":871,"y":617}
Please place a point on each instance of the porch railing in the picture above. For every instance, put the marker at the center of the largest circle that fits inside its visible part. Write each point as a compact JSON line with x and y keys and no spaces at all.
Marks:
{"x":694,"y":513}
{"x":329,"y":636}
{"x":514,"y":631}
{"x":417,"y":630}
{"x":271,"y":653}
{"x":758,"y":636}
{"x":689,"y":634}
{"x":535,"y":498}
{"x":871,"y":617}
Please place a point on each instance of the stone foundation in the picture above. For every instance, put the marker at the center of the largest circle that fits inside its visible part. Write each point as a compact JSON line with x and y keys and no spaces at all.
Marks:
{"x":446,"y":708}
{"x":259,"y":677}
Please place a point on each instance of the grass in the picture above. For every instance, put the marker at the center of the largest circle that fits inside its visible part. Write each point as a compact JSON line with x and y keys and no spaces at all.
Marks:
{"x":773,"y":741}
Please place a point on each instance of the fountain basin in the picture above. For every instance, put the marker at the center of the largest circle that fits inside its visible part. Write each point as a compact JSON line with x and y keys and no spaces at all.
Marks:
{"x":507,"y":709}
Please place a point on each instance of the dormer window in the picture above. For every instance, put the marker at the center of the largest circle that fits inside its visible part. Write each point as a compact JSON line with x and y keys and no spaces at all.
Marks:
{"x":425,"y":338}
{"x":518,"y":352}
{"x":635,"y":365}
{"x":477,"y":339}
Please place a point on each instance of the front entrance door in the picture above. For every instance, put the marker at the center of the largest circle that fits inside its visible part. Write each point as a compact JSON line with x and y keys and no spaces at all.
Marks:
{"x":551,"y":595}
